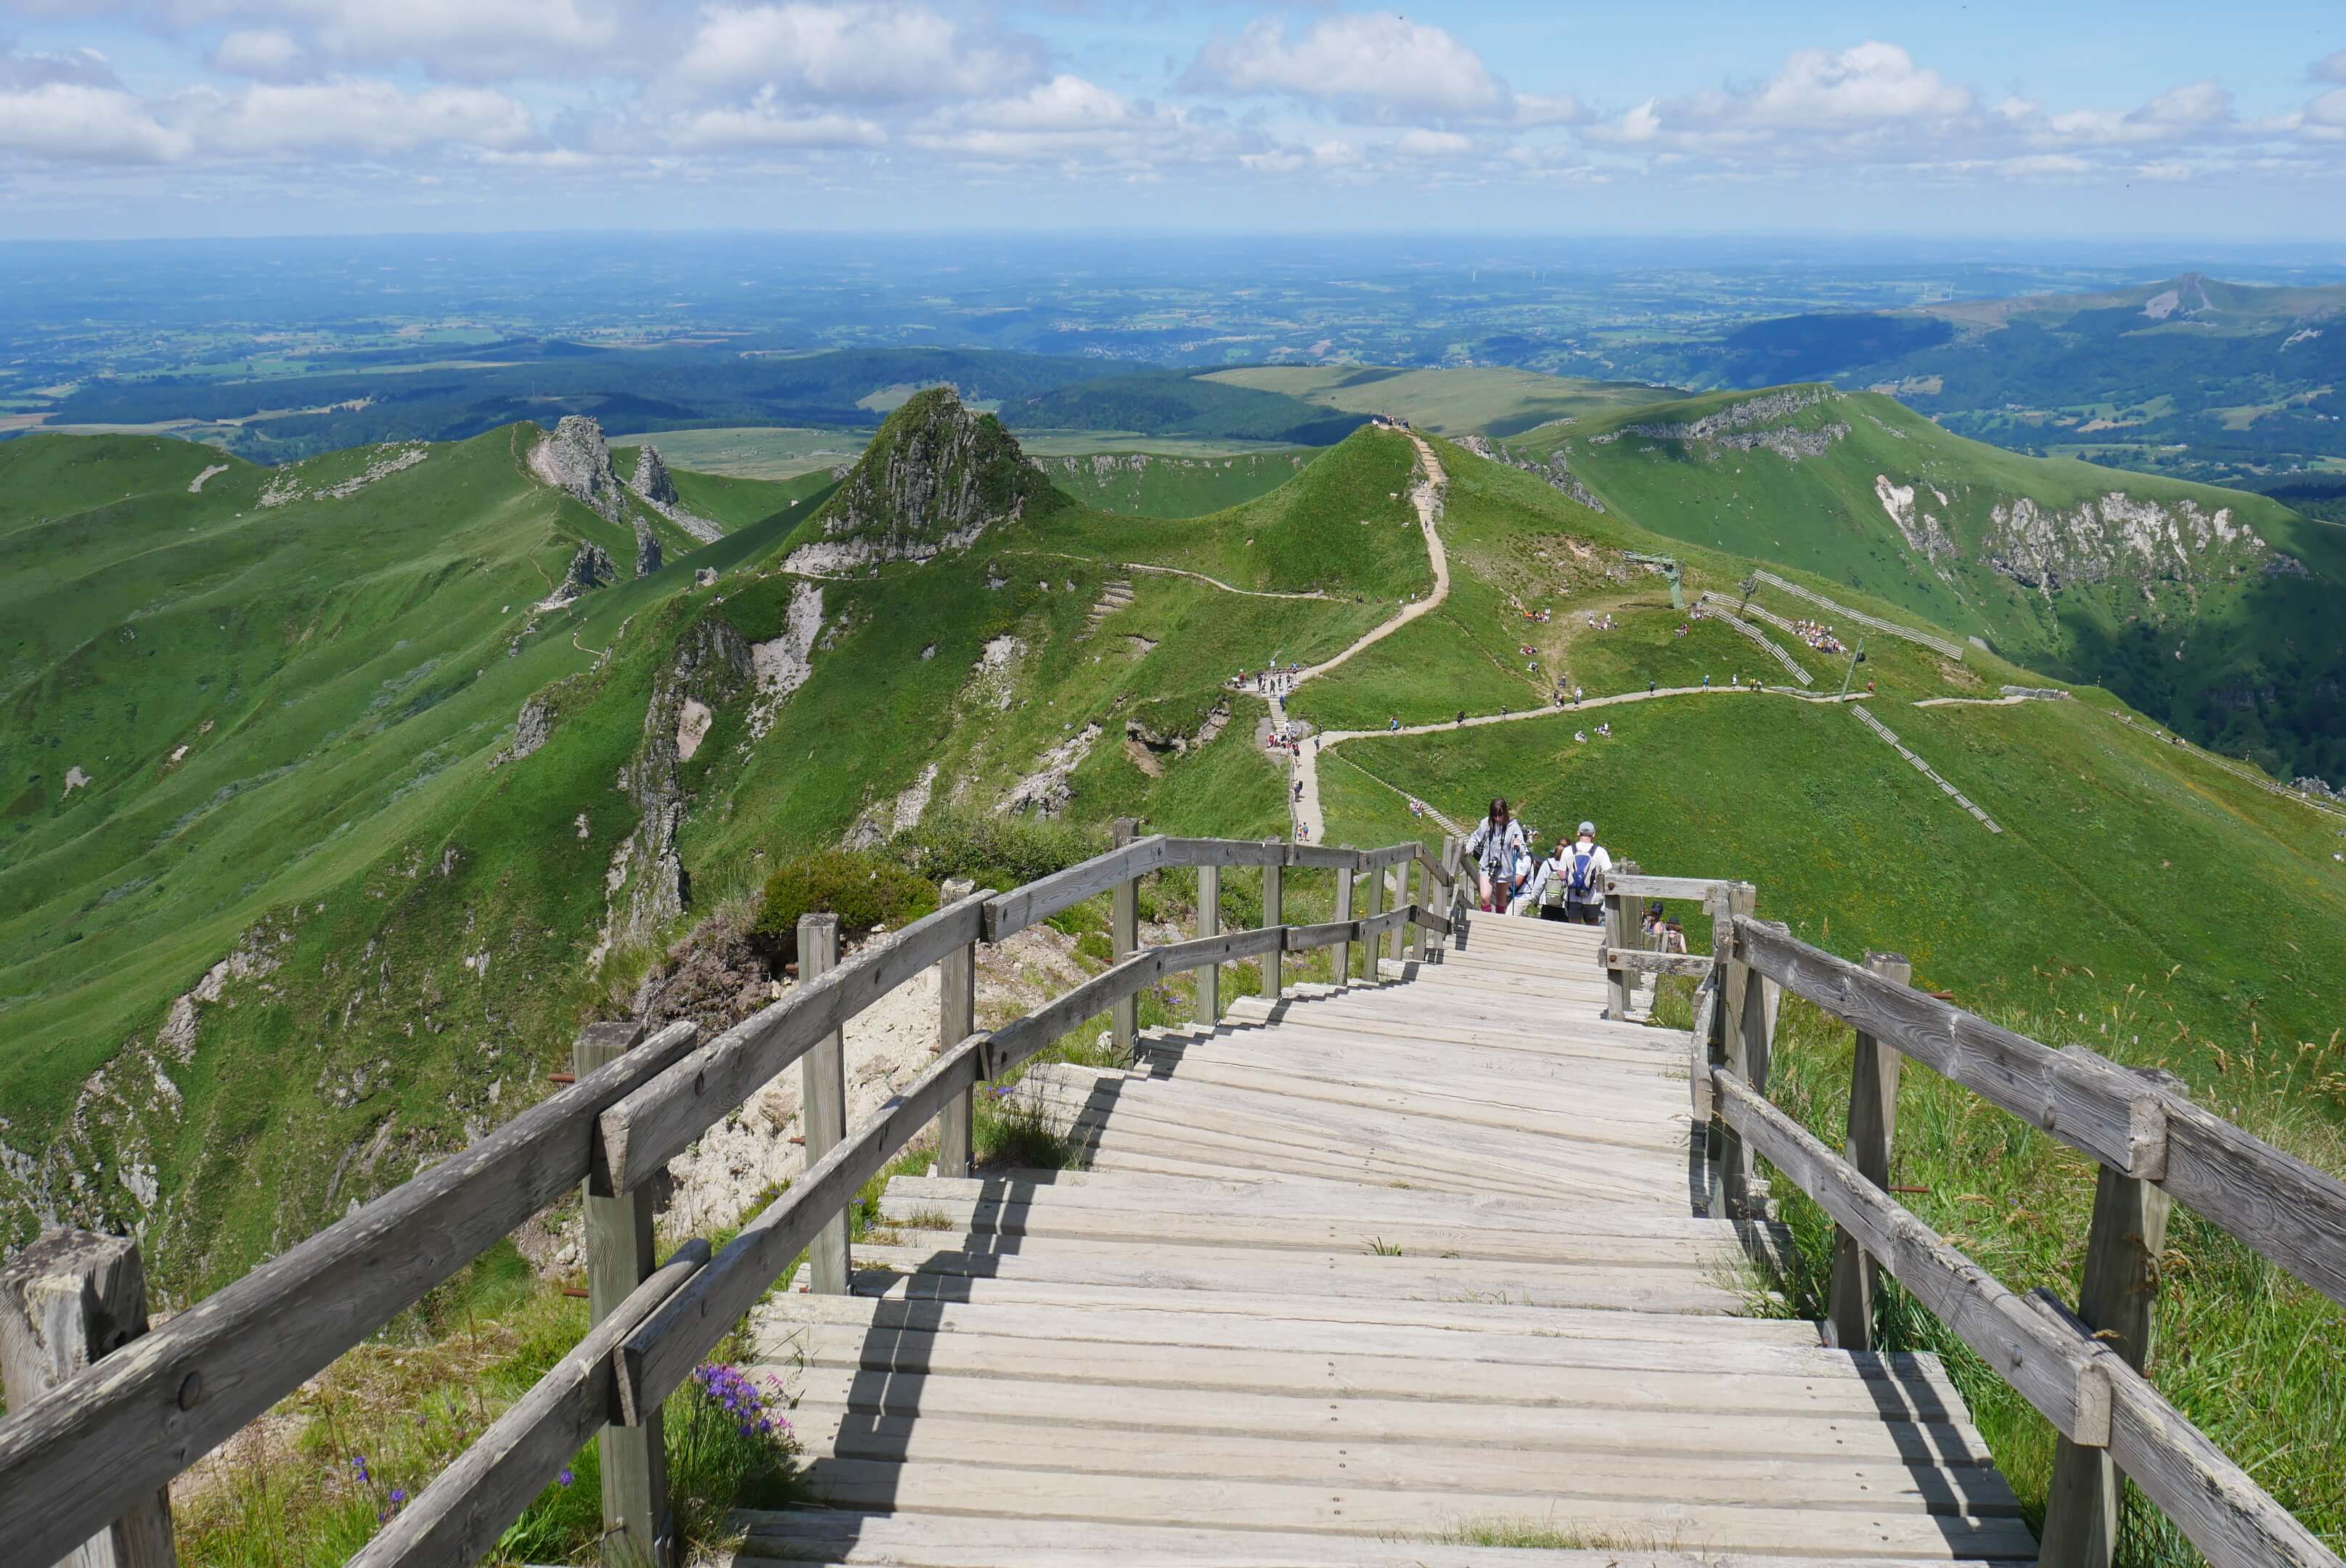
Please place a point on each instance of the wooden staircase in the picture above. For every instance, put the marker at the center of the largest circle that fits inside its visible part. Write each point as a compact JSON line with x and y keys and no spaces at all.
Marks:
{"x":1362,"y":1277}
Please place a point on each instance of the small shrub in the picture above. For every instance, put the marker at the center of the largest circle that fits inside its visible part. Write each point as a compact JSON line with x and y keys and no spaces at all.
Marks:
{"x":863,"y":891}
{"x":1095,"y":945}
{"x":1000,"y":852}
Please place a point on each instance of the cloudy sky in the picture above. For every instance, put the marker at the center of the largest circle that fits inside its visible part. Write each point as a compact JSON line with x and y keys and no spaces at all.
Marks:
{"x":139,"y":117}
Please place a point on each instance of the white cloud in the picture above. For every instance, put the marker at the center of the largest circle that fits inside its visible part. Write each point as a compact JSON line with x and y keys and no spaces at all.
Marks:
{"x":1374,"y":65}
{"x":268,"y":54}
{"x":1431,"y":144}
{"x":464,"y":38}
{"x":1873,"y":81}
{"x":2328,"y":109}
{"x":2333,"y":69}
{"x":765,"y":125}
{"x":357,"y":115}
{"x":2178,"y":114}
{"x":73,"y":121}
{"x":74,"y":68}
{"x":855,"y":54}
{"x":2164,"y":170}
{"x":2045,"y":166}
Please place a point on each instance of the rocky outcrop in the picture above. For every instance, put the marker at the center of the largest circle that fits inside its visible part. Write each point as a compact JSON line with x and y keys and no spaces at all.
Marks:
{"x":936,"y":478}
{"x":647,"y":550}
{"x":590,"y":568}
{"x":1753,"y":424}
{"x":532,"y":728}
{"x":783,"y":664}
{"x":1046,"y":791}
{"x":1924,"y":533}
{"x":2118,"y":535}
{"x":646,"y":886}
{"x":656,"y":488}
{"x":1553,"y":471}
{"x":576,"y":458}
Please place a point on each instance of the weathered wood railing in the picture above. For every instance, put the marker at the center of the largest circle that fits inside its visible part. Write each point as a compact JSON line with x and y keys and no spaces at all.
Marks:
{"x":124,"y":1418}
{"x":2082,"y":1369}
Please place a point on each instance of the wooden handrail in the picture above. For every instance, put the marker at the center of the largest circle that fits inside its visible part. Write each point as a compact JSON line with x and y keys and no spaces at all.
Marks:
{"x":2090,"y":1395}
{"x":2279,"y":1206}
{"x":660,"y":1120}
{"x":70,"y":1460}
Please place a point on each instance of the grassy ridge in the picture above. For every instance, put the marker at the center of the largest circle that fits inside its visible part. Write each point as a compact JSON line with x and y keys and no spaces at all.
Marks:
{"x":1483,"y":399}
{"x":2247,"y":661}
{"x":1171,"y":484}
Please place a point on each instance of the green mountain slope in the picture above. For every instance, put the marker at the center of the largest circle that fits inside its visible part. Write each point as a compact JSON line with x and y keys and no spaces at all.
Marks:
{"x":2209,"y":609}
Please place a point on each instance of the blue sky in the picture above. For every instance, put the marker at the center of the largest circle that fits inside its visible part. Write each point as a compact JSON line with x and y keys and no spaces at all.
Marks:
{"x":178,"y":118}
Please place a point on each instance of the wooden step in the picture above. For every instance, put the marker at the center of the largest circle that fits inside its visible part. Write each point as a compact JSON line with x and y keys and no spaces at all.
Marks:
{"x":853,"y":1539}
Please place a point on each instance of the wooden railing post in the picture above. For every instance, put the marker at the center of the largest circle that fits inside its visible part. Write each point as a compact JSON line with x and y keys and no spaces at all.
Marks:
{"x":1872,"y":1124}
{"x":1453,"y":856}
{"x":1621,"y":926}
{"x":1401,"y":898}
{"x":1274,"y":884}
{"x":1370,"y":949}
{"x":1209,"y":923}
{"x":822,"y":1104}
{"x":1124,"y":937}
{"x":636,"y":1526}
{"x":1730,"y":1161}
{"x":2116,"y":1300}
{"x":68,"y":1300}
{"x":956,"y":1022}
{"x":1343,"y":912}
{"x":1424,"y":896}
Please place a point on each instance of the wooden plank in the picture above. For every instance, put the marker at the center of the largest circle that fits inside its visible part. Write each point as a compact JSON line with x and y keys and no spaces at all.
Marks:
{"x":1274,"y":882}
{"x":1706,"y":1009}
{"x":2081,"y":1099}
{"x":1324,"y":857}
{"x":930,"y":1541}
{"x":637,"y":1525}
{"x":71,"y":1298}
{"x":660,"y":1120}
{"x":1343,"y":914}
{"x":1210,"y":925}
{"x":1632,"y":960}
{"x":2233,"y":1521}
{"x":822,"y":1102}
{"x":1873,"y":1126}
{"x":657,"y":1357}
{"x":1390,"y":855}
{"x":71,"y":1461}
{"x":1399,"y":901}
{"x":1008,"y":913}
{"x":957,"y":1021}
{"x":1124,"y":937}
{"x":1021,"y":1038}
{"x":1217,"y":853}
{"x":457,"y":1519}
{"x":2043,"y":1365}
{"x":2286,"y":1210}
{"x":1304,"y":938}
{"x":1638,"y":885}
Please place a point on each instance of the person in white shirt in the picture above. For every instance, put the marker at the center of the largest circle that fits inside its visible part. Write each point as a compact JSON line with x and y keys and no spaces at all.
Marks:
{"x":1496,"y":844}
{"x":1586,"y":867}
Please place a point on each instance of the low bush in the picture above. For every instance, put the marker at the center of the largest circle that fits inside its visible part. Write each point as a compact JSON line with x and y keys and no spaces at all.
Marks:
{"x":1000,"y":852}
{"x":863,"y":891}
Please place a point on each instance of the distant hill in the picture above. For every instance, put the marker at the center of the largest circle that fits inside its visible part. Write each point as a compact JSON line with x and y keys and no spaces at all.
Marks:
{"x":2226,"y":381}
{"x":2211,"y":609}
{"x":1477,"y":400}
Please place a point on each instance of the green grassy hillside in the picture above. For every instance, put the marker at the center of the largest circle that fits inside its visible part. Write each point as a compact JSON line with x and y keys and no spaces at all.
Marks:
{"x":2211,"y":610}
{"x":1172,"y":484}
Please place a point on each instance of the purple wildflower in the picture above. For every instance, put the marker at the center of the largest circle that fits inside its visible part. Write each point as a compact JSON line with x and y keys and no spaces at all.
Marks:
{"x":398,"y":1498}
{"x":359,"y":1465}
{"x":565,"y":1478}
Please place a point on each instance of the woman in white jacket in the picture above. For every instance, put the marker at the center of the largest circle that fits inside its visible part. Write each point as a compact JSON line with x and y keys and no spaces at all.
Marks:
{"x":1496,"y":844}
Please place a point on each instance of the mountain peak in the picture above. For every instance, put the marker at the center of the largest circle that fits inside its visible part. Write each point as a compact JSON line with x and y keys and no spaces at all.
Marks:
{"x":936,"y":477}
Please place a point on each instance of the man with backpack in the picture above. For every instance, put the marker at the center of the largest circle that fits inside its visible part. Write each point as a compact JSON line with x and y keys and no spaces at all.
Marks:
{"x":1584,"y":866}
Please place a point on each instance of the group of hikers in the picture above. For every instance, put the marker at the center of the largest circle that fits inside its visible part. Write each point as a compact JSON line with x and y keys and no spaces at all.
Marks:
{"x":1820,"y":637}
{"x":1270,"y":682}
{"x":1567,"y":884}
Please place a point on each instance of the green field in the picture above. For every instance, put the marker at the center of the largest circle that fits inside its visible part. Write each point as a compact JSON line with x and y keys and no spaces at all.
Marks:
{"x":751,"y":451}
{"x":1483,"y":399}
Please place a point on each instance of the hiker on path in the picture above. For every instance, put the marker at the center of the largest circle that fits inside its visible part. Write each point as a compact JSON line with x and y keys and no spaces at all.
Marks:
{"x":1585,"y":868}
{"x":1495,"y":846}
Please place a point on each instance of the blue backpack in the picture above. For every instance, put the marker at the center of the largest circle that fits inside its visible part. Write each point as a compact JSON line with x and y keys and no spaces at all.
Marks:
{"x":1584,"y":875}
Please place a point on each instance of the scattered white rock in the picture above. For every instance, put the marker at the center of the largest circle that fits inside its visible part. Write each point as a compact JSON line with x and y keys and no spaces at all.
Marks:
{"x":692,"y":722}
{"x":195,"y":486}
{"x":75,"y":780}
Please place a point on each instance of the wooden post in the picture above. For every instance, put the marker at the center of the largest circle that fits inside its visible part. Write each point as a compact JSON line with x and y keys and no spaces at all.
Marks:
{"x":1729,"y":1160}
{"x":2115,"y":1301}
{"x":1209,"y":923}
{"x":68,"y":1300}
{"x":637,"y":1525}
{"x":1274,"y":881}
{"x":1872,"y":1124}
{"x":956,"y":1022}
{"x":1453,"y":856}
{"x":823,"y":1105}
{"x":1369,"y":949}
{"x":1621,"y":926}
{"x":1343,"y":912}
{"x":1401,"y":898}
{"x":1124,"y":937}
